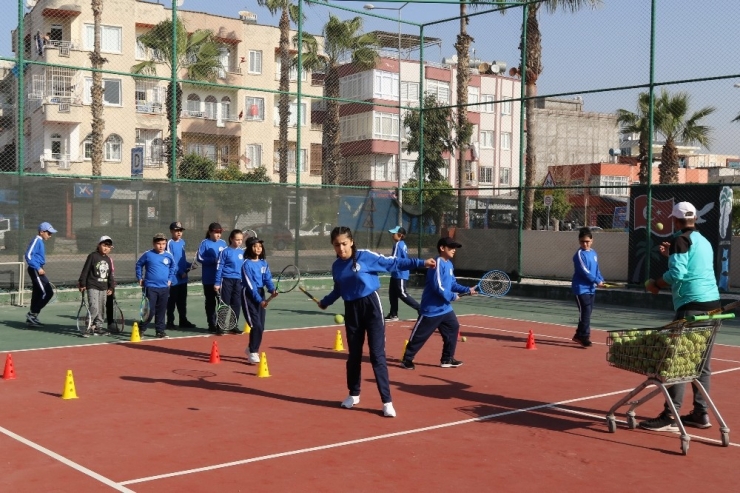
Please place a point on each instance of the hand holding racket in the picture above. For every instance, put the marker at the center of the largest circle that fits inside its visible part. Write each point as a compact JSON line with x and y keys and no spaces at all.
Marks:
{"x":287,"y":281}
{"x":493,"y":284}
{"x":225,"y":316}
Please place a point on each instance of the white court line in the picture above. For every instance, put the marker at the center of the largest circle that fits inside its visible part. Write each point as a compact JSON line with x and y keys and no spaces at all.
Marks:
{"x":65,"y":461}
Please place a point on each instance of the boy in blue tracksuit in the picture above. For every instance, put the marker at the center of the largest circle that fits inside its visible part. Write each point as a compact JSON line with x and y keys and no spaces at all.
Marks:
{"x":399,"y":279}
{"x":586,"y":277}
{"x":256,"y":277}
{"x":160,"y":274}
{"x":36,"y":259}
{"x":208,"y":252}
{"x":179,"y":289}
{"x":355,"y":274}
{"x":435,"y":312}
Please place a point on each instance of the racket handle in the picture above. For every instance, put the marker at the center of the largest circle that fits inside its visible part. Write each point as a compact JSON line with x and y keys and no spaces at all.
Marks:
{"x":309,"y":295}
{"x":268,"y":300}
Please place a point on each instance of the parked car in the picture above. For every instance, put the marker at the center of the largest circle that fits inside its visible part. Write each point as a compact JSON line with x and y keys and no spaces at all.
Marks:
{"x":277,"y":237}
{"x":317,"y":230}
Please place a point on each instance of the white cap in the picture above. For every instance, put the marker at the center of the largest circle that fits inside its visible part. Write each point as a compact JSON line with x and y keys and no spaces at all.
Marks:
{"x":105,"y":238}
{"x":684,"y":210}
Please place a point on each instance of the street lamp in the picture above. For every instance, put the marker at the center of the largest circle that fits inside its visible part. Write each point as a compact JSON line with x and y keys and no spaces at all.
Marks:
{"x":369,"y":6}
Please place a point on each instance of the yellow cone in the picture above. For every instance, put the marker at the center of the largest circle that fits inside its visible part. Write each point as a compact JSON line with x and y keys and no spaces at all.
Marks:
{"x":247,"y":328}
{"x":263,"y":372}
{"x":338,"y":346}
{"x":135,"y":337}
{"x":405,"y":343}
{"x":69,"y":387}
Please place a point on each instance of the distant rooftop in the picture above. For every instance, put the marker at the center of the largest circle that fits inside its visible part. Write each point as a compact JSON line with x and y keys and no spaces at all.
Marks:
{"x":408,"y":41}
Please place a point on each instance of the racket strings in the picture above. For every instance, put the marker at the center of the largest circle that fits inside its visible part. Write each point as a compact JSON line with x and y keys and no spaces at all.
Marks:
{"x":494,"y":283}
{"x":289,"y":279}
{"x":226,"y":318}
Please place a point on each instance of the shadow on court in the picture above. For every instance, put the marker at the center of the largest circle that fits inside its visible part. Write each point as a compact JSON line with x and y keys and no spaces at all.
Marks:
{"x":521,"y":341}
{"x":46,"y":328}
{"x":192,"y":355}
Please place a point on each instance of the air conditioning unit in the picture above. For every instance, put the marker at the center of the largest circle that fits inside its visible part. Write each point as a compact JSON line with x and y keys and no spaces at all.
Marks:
{"x":35,"y":96}
{"x":63,"y":107}
{"x":64,"y":163}
{"x":64,"y":50}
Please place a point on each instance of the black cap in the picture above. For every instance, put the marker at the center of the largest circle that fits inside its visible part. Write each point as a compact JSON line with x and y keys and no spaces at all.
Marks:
{"x":215,"y":227}
{"x":177,"y":225}
{"x":448,"y":242}
{"x":252,"y":240}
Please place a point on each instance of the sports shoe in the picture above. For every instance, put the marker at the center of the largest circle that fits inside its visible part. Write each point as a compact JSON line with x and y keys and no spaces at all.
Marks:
{"x":212,"y":329}
{"x":33,"y":320}
{"x":235,"y":332}
{"x":113,"y":327}
{"x":391,"y":318}
{"x":187,"y":324}
{"x":254,"y":358}
{"x":696,"y":419}
{"x":388,"y":410}
{"x":664,"y":422}
{"x":170,"y":326}
{"x":162,"y":335}
{"x":407,"y":365}
{"x":84,"y":334}
{"x":101,"y":331}
{"x":451,"y":363}
{"x":353,"y":400}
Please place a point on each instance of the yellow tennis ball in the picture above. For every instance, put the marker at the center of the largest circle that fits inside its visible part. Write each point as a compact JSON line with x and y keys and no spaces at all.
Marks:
{"x":464,"y":339}
{"x":339,"y":318}
{"x":659,"y":226}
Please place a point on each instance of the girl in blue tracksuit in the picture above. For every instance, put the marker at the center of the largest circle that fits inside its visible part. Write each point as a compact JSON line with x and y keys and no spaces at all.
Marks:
{"x":586,"y":277}
{"x":228,"y":274}
{"x":256,"y":277}
{"x":355,"y":274}
{"x":435,"y":311}
{"x":207,"y":257}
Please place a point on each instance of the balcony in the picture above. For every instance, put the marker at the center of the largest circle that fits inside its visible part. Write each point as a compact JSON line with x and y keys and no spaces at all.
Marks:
{"x":149,"y":107}
{"x":55,"y":160}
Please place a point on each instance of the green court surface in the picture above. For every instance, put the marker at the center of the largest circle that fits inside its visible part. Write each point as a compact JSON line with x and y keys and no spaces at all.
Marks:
{"x":294,"y":310}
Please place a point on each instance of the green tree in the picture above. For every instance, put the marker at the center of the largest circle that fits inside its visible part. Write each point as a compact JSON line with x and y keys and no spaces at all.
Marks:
{"x":677,"y":125}
{"x":639,"y":123}
{"x":196,"y":53}
{"x":439,"y":200}
{"x":343,"y":40}
{"x":559,"y":208}
{"x":195,"y":167}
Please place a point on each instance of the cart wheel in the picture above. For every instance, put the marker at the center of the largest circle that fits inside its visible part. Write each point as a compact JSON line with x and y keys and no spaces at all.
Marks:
{"x":611,"y":424}
{"x":684,"y":446}
{"x":725,"y":439}
{"x":631,"y":422}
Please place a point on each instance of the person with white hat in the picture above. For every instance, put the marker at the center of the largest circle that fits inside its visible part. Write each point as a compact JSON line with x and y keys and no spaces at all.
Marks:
{"x":690,"y":277}
{"x":97,"y":279}
{"x":36,"y":259}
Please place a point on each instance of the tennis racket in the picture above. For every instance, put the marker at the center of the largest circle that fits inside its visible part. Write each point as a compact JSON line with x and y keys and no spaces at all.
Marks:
{"x":118,"y":321}
{"x":144,"y":309}
{"x":53,"y":294}
{"x":613,"y":285}
{"x":727,"y":308}
{"x":287,"y":281}
{"x":249,"y":233}
{"x":225,"y":317}
{"x":84,"y":320}
{"x":312,"y":297}
{"x":493,"y":284}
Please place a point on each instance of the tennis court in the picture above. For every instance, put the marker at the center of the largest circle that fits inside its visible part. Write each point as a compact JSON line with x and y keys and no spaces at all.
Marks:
{"x":157,"y":416}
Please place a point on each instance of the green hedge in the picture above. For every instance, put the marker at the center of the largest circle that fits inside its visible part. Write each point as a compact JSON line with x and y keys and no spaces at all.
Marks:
{"x":12,"y":238}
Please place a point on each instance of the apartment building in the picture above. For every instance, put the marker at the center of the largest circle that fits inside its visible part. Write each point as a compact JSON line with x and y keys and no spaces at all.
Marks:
{"x":234,"y":121}
{"x":370,"y":131}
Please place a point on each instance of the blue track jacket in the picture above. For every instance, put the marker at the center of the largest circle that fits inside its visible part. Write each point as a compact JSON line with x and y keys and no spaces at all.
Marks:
{"x":400,"y":251}
{"x":229,"y":264}
{"x":36,"y":253}
{"x":160,"y":268}
{"x":177,"y":250}
{"x":256,"y":275}
{"x":440,"y":290}
{"x":207,"y":257}
{"x":586,"y":273}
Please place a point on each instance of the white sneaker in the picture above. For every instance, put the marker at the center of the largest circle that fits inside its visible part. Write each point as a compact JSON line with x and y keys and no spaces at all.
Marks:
{"x":350,"y":401}
{"x":254,"y":358}
{"x":388,"y":410}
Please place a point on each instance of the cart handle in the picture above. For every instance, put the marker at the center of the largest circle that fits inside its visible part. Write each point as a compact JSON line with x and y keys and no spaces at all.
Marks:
{"x":697,"y":318}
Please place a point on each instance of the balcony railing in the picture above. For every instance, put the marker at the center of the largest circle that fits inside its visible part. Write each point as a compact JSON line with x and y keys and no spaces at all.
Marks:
{"x":148,"y":107}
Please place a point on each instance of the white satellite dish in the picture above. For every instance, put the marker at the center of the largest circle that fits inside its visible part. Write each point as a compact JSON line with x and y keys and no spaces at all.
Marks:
{"x":179,"y":3}
{"x":31,"y":3}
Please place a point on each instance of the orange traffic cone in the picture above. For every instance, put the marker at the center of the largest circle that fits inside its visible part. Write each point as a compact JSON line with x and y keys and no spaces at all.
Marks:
{"x":215,"y":358}
{"x":9,"y":373}
{"x":530,"y":341}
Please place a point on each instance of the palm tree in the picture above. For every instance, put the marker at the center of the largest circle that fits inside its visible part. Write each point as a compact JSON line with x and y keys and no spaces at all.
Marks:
{"x":197,"y":53}
{"x":533,"y":69}
{"x":288,"y":12}
{"x":343,"y":40}
{"x":676,"y":125}
{"x":96,"y":107}
{"x":639,"y":123}
{"x":464,"y":129}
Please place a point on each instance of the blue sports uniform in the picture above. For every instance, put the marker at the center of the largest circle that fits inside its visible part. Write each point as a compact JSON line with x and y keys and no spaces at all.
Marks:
{"x":256,"y":277}
{"x":207,"y":257}
{"x":179,"y":289}
{"x":42,"y":291}
{"x":228,"y":275}
{"x":356,"y":281}
{"x":440,"y":290}
{"x":160,"y":272}
{"x":586,"y":275}
{"x":399,"y":282}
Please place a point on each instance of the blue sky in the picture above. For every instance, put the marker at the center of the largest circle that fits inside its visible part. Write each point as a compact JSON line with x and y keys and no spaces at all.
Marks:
{"x":592,"y":49}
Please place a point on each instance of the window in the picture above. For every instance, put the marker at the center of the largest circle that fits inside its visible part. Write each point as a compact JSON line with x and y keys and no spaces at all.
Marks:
{"x":110,"y":38}
{"x":487,"y":106}
{"x":293,"y":118}
{"x":473,"y":93}
{"x":210,"y":104}
{"x":255,"y":62}
{"x":226,"y":108}
{"x":56,"y":146}
{"x":385,"y":85}
{"x":113,"y":146}
{"x":615,"y":186}
{"x":357,"y":86}
{"x":356,"y":127}
{"x":149,"y":97}
{"x":151,"y":141}
{"x":504,"y":176}
{"x":293,"y":71}
{"x":255,"y":109}
{"x":224,"y":156}
{"x":291,"y":159}
{"x":207,"y":151}
{"x":316,"y":160}
{"x":486,"y":139}
{"x":410,"y":91}
{"x":87,"y":147}
{"x":469,"y":171}
{"x":385,"y":126}
{"x":193,"y":106}
{"x":56,"y":32}
{"x":407,"y":170}
{"x":254,"y":156}
{"x":383,"y":168}
{"x":142,"y":51}
{"x":505,"y":141}
{"x":485,"y":174}
{"x":506,"y":107}
{"x":111,"y":91}
{"x":439,"y":89}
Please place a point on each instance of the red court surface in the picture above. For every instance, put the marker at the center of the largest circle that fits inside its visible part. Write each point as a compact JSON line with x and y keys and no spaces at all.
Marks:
{"x":157,"y":416}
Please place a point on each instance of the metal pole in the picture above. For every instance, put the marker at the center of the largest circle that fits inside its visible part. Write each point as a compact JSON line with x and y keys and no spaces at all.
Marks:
{"x":400,"y":125}
{"x":138,"y":216}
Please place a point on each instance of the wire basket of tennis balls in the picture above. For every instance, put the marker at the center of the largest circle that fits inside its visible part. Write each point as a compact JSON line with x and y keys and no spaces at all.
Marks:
{"x":669,"y":355}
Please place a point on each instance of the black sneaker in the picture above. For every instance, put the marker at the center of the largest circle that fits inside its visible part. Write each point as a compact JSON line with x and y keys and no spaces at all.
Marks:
{"x":408,"y":365}
{"x":696,"y":419}
{"x":170,"y":326}
{"x":187,"y":325}
{"x":162,"y":335}
{"x":219,"y":332}
{"x":212,"y":329}
{"x":664,"y":422}
{"x":235,"y":332}
{"x":451,"y":363}
{"x":391,"y":318}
